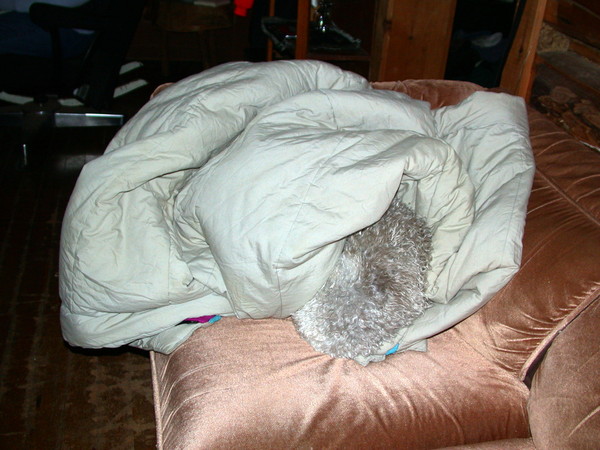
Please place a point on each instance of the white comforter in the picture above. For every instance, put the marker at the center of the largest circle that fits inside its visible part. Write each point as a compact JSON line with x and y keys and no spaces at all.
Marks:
{"x":231,"y":193}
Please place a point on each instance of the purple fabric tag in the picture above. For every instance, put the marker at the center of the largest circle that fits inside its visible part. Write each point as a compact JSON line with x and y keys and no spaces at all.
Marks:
{"x":201,"y":319}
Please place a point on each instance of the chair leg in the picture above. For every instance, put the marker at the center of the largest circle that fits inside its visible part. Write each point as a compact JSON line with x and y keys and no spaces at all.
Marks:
{"x":34,"y":124}
{"x":24,"y":154}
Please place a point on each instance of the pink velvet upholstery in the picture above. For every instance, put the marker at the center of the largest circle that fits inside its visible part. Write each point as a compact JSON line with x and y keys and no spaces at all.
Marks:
{"x":436,"y":92}
{"x":560,"y":269}
{"x":564,"y":406}
{"x":257,"y":384}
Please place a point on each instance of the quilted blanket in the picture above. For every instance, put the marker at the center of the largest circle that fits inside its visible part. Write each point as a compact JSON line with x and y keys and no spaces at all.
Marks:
{"x":232,"y":191}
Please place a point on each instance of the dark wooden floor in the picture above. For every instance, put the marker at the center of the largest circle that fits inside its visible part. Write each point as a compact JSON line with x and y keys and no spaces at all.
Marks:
{"x":53,"y":396}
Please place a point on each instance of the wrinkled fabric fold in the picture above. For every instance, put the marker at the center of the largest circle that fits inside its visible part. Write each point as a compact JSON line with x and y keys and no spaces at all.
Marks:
{"x":231,"y":193}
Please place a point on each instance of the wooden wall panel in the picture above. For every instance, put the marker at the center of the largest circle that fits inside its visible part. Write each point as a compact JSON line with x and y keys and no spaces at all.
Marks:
{"x":578,"y":19}
{"x":413,"y":40}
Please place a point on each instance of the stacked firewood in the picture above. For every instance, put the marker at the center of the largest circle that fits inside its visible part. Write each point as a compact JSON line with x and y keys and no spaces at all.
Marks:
{"x":579,"y":116}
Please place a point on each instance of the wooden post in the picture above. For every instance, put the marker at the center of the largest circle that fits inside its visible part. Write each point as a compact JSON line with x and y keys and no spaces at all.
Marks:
{"x":518,"y":73}
{"x":412,"y":39}
{"x":302,"y":29}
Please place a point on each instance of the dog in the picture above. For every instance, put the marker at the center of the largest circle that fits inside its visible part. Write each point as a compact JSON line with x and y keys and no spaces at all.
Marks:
{"x":377,"y":286}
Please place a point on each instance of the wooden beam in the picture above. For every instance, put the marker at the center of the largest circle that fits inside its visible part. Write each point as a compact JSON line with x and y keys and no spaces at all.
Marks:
{"x":518,"y":72}
{"x":302,"y":22}
{"x":269,"y":41}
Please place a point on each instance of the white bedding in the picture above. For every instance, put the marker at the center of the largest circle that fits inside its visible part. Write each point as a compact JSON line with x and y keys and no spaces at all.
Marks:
{"x":231,"y":193}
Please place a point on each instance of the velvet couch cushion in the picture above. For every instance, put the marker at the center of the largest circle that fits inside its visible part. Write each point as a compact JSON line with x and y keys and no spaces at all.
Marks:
{"x":564,"y":406}
{"x":257,"y":384}
{"x":437,"y":92}
{"x":560,"y":268}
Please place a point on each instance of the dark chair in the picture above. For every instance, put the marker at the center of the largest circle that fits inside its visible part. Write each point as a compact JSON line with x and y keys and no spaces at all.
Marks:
{"x":88,"y":83}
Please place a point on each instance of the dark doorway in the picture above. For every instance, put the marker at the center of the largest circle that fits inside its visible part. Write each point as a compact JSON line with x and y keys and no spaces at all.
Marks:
{"x":482,"y":33}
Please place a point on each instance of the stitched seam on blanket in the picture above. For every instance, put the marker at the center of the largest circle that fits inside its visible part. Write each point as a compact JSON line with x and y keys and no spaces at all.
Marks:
{"x":516,"y":196}
{"x":520,"y":175}
{"x":277,"y":263}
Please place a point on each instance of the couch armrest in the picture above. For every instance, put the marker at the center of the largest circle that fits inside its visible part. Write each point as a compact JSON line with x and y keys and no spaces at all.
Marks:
{"x":564,"y":405}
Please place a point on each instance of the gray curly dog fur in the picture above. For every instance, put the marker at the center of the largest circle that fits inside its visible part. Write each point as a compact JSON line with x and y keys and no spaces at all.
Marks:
{"x":377,"y":287}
